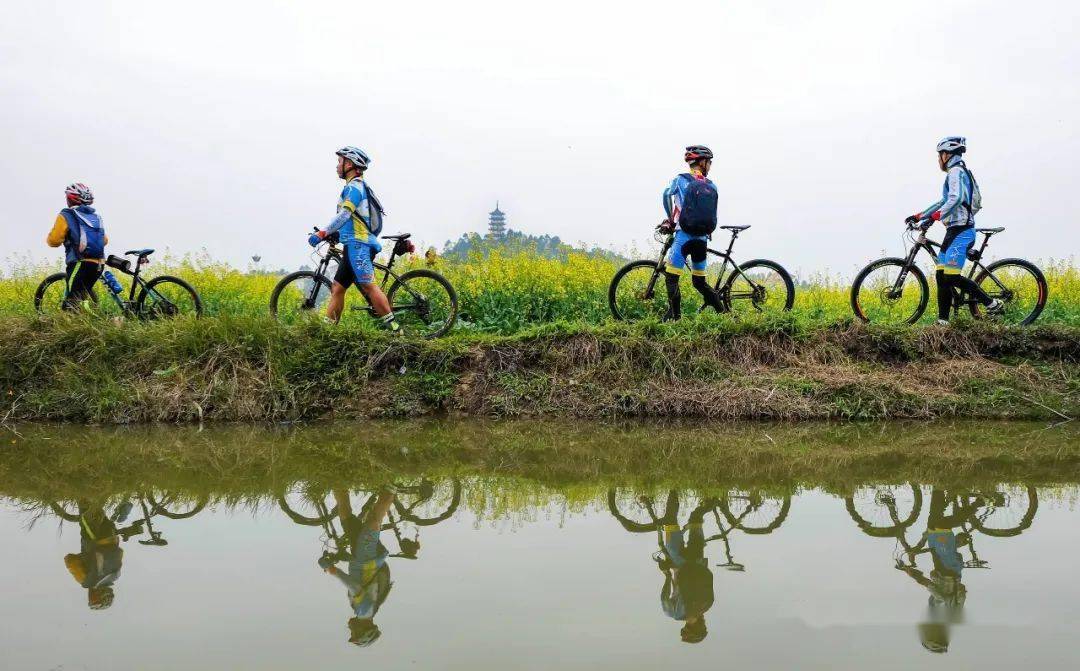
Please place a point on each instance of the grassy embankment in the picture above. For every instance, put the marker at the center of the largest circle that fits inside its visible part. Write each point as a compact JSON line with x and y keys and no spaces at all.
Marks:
{"x":537,"y":340}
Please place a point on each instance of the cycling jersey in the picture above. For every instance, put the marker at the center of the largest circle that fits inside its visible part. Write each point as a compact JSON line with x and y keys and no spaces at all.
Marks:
{"x":353,"y":227}
{"x":63,"y":229}
{"x":960,"y":197}
{"x":674,"y":194}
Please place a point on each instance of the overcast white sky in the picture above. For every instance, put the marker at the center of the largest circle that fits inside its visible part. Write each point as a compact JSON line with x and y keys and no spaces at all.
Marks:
{"x":213,"y":124}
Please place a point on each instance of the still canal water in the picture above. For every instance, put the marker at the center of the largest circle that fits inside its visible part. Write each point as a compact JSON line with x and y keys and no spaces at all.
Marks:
{"x":175,"y":549}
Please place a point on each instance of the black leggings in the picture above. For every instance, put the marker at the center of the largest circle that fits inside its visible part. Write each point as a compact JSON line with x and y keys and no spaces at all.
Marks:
{"x":946,"y":284}
{"x":80,"y":278}
{"x":697,"y":251}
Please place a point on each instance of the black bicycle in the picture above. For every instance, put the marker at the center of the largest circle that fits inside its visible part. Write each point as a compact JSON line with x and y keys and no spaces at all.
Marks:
{"x":423,"y":300}
{"x":637,"y":291}
{"x":894,"y":290}
{"x":161,"y":296}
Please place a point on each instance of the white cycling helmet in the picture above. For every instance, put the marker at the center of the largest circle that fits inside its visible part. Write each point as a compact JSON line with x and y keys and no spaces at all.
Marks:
{"x":954,"y":144}
{"x":356,"y":155}
{"x":78,"y":194}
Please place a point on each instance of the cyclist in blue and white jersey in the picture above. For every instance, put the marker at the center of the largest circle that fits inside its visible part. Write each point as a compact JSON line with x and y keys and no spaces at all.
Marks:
{"x":358,"y":222}
{"x":690,"y":241}
{"x":960,"y":200}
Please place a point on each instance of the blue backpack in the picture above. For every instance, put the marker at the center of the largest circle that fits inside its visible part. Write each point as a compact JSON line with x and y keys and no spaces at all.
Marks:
{"x":86,"y":233}
{"x":375,"y":212}
{"x":700,"y":199}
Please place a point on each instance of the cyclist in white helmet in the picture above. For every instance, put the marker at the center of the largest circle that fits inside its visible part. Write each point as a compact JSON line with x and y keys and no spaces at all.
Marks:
{"x":79,"y":229}
{"x":358,"y":224}
{"x":960,"y":200}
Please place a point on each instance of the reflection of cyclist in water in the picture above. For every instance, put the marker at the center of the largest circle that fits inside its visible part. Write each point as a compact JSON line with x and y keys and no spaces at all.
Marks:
{"x":97,"y":565}
{"x":947,"y":591}
{"x":688,"y":582}
{"x":367,"y":576}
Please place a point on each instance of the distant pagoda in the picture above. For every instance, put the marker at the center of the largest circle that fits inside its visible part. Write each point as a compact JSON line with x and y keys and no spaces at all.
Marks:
{"x":497,"y":223}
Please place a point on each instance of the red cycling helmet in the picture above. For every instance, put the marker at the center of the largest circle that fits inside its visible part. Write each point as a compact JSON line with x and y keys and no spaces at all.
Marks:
{"x":78,"y":194}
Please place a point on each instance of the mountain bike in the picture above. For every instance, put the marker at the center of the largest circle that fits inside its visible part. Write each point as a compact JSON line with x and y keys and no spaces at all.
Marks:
{"x":638,"y":292}
{"x":162,"y":296}
{"x":151,"y":504}
{"x":420,"y":504}
{"x":424,"y":301}
{"x":887,"y":510}
{"x":737,"y":510}
{"x":894,"y":290}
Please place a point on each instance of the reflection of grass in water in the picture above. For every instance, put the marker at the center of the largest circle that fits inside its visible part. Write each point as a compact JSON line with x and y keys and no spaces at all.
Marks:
{"x":512,"y":466}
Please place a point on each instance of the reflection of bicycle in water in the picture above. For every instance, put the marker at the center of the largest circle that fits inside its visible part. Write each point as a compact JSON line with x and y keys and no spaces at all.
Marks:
{"x":97,"y":565}
{"x":418,"y":503}
{"x":687,"y":593}
{"x":952,"y":520}
{"x":353,"y":551}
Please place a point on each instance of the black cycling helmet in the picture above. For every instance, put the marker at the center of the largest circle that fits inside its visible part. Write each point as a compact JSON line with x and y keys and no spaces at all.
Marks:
{"x":697,"y":152}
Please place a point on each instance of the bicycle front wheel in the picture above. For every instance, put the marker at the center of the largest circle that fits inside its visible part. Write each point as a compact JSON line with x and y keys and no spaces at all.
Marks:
{"x":637,"y":292}
{"x":166,"y":296}
{"x":762,"y":286}
{"x":299,"y":296}
{"x":424,"y":303}
{"x":49,"y":297}
{"x":888,"y":291}
{"x":1018,"y":284}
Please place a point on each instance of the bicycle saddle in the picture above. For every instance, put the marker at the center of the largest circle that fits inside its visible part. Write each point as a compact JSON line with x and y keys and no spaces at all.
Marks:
{"x":991,"y":231}
{"x":139,"y":252}
{"x":735,"y":228}
{"x":399,"y":236}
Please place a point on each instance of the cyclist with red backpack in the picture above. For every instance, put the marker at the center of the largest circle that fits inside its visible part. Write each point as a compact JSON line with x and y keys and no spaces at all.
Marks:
{"x":79,"y":229}
{"x":690,"y":203}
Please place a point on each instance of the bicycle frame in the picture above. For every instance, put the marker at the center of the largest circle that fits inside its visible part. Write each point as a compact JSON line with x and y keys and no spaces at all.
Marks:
{"x":334,"y":253}
{"x":725,"y":255}
{"x":136,"y":282}
{"x":933,"y":247}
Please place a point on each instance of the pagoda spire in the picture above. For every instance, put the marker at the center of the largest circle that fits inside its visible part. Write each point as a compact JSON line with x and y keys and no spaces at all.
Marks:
{"x":497,"y":223}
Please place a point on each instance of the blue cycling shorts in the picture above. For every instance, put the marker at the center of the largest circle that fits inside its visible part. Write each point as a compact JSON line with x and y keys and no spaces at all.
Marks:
{"x":685,"y":245}
{"x":356,"y":267}
{"x":954,"y":248}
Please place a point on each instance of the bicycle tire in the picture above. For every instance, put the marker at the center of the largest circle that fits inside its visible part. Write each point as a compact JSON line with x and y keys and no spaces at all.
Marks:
{"x":305,"y":520}
{"x":145,"y":292}
{"x":43,"y":288}
{"x":870,"y":529}
{"x":62,"y":512}
{"x":633,"y":526}
{"x":455,"y":501}
{"x":924,"y":288}
{"x":404,"y":311}
{"x":305,"y":275}
{"x":1025,"y":521}
{"x":785,"y":508}
{"x":789,"y":284}
{"x":620,"y":275}
{"x":158,"y":507}
{"x":1040,"y":280}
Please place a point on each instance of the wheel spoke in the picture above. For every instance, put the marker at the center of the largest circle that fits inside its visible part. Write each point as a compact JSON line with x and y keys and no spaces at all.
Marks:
{"x":424,"y":304}
{"x":636,"y":295}
{"x":1016,"y":286}
{"x":880,"y":297}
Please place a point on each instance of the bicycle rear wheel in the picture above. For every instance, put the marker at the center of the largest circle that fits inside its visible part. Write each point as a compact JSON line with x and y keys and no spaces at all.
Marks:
{"x":424,"y":303}
{"x":763,"y":286}
{"x":637,"y":292}
{"x":166,"y":296}
{"x":1017,"y":283}
{"x":299,"y":296}
{"x":877,"y":297}
{"x":428,"y":502}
